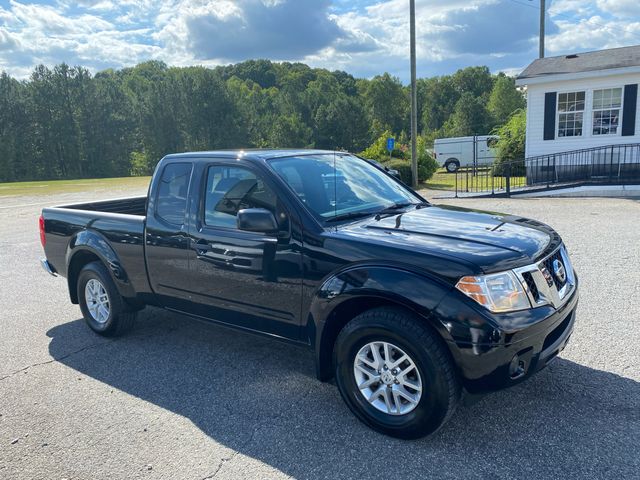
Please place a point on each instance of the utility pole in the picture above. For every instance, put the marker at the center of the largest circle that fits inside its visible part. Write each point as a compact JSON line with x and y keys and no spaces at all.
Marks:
{"x":542,"y":15}
{"x":414,"y":100}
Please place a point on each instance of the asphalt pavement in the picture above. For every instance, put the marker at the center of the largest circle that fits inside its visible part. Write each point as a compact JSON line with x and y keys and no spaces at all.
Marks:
{"x":177,"y":399}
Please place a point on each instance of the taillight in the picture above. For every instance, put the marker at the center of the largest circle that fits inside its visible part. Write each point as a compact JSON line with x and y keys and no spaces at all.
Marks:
{"x":43,"y":238}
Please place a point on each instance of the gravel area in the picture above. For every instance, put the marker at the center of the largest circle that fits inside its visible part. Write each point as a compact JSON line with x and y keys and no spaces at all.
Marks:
{"x":181,"y":400}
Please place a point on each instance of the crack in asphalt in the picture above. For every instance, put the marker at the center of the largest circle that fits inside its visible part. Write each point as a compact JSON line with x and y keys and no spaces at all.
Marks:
{"x":55,"y":360}
{"x":83,"y":349}
{"x":250,"y":439}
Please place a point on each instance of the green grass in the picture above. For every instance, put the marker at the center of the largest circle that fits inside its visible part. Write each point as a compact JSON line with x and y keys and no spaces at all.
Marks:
{"x":441,"y":180}
{"x":68,"y":186}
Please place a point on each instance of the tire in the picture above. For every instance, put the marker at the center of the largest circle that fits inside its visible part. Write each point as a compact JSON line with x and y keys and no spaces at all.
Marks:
{"x":452,"y":165}
{"x":118,"y":319}
{"x":441,"y":389}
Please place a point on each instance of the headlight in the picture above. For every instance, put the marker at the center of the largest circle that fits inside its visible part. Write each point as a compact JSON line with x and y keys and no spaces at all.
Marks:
{"x":498,"y":292}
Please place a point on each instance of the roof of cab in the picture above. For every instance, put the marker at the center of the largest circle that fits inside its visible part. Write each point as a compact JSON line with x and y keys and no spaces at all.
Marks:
{"x":251,"y":154}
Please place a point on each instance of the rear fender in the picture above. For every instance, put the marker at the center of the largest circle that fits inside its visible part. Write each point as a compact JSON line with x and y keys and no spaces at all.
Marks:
{"x":354,"y":290}
{"x":87,"y":245}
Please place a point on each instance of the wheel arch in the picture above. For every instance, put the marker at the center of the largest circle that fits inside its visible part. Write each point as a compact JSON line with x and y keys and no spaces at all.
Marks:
{"x":330,"y":312}
{"x":86,"y":247}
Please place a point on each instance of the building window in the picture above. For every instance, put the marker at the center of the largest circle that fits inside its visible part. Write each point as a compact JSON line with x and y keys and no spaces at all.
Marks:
{"x":570,"y":114}
{"x":606,"y":111}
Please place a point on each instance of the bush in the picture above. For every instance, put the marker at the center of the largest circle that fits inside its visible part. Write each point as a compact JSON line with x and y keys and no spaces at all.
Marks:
{"x":404,"y":169}
{"x":401,"y":157}
{"x":510,"y":145}
{"x":378,"y":149}
{"x":426,"y":161}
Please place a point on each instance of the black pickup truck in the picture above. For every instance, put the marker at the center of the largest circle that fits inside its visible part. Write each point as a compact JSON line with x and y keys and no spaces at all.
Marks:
{"x":406,"y":304}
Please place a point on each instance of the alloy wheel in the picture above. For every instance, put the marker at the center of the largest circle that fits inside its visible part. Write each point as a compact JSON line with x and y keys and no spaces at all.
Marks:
{"x":97,"y":300}
{"x":388,"y":378}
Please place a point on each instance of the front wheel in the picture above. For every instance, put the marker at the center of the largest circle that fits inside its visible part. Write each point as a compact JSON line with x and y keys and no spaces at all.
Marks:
{"x":103,"y":308}
{"x":394,"y":373}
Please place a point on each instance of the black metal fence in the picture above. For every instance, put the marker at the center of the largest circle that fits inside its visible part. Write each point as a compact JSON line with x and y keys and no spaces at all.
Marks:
{"x":490,"y":178}
{"x":611,"y":164}
{"x":607,"y":164}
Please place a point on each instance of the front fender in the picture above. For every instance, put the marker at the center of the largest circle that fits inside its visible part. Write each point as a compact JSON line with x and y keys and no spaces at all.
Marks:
{"x":95,"y":244}
{"x":364,"y":286}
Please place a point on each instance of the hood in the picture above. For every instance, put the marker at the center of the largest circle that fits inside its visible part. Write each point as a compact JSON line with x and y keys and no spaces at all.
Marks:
{"x":491,"y":241}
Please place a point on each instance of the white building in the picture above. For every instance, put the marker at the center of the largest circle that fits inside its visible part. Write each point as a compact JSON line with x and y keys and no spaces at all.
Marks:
{"x":582,"y":101}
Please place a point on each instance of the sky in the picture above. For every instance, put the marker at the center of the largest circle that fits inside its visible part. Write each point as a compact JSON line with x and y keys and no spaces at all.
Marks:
{"x":364,"y":38}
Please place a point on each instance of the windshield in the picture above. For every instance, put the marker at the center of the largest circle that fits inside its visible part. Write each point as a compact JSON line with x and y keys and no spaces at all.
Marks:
{"x":353,"y":187}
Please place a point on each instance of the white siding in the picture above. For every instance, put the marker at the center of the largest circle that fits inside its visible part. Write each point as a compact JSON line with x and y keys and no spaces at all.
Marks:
{"x":535,"y":145}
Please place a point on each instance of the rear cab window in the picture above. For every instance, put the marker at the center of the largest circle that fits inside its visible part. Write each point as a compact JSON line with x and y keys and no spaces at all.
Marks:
{"x":171,"y":201}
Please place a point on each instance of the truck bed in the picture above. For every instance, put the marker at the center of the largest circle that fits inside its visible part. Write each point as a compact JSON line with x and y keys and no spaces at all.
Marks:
{"x":127,"y":206}
{"x":112,"y":229}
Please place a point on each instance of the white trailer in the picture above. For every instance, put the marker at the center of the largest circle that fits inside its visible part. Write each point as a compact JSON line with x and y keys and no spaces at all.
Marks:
{"x":455,"y":152}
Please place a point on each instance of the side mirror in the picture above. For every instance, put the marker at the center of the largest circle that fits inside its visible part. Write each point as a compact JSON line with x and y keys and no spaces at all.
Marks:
{"x":256,"y":220}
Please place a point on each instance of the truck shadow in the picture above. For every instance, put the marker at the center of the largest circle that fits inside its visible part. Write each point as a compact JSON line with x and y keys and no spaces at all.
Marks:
{"x":261,"y":398}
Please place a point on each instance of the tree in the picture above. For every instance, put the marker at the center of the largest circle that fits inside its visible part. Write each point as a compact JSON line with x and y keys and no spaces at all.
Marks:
{"x":386,"y":102}
{"x":288,"y":131}
{"x":470,"y":117}
{"x":476,"y":81}
{"x":504,"y":99}
{"x":440,"y":97}
{"x":64,"y":122}
{"x":511,"y":144}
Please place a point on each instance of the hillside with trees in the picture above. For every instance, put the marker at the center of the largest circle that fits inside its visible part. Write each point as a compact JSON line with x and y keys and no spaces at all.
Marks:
{"x":65,"y":122}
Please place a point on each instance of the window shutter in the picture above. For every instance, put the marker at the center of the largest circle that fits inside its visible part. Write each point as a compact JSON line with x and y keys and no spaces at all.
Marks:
{"x":549,"y":115}
{"x":629,"y":110}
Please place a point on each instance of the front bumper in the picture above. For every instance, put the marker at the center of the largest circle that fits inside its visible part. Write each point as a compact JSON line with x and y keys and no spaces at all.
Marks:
{"x":489,"y":367}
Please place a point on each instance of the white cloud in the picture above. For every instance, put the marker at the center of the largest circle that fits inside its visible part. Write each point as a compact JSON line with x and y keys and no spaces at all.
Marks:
{"x":32,"y":34}
{"x":594,"y":33}
{"x":620,"y":8}
{"x":364,"y":37}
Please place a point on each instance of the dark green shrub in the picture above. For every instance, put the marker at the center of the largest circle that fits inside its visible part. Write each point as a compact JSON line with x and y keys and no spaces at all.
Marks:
{"x":404,"y":169}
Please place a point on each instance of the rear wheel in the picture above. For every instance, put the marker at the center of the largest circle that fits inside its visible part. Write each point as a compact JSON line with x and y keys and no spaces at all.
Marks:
{"x":394,"y":373}
{"x":452,"y":165}
{"x":103,"y":308}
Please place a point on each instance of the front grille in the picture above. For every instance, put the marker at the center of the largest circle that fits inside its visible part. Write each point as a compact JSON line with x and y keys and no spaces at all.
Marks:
{"x":531,"y":283}
{"x":548,"y":263}
{"x":544,"y":287}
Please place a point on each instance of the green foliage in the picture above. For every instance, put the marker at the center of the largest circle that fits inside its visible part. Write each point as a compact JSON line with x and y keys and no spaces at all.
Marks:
{"x":378,"y":149}
{"x":386,"y":102}
{"x":504,"y":99}
{"x":469,"y":102}
{"x":141,"y":164}
{"x":511,"y":144}
{"x":470,"y":117}
{"x":64,"y":122}
{"x":439,"y":101}
{"x":401,"y":157}
{"x":425,"y":161}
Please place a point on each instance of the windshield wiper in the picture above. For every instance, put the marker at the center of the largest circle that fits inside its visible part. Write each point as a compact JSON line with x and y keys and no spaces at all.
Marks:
{"x":392,"y":209}
{"x":387,"y":210}
{"x":348,"y":216}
